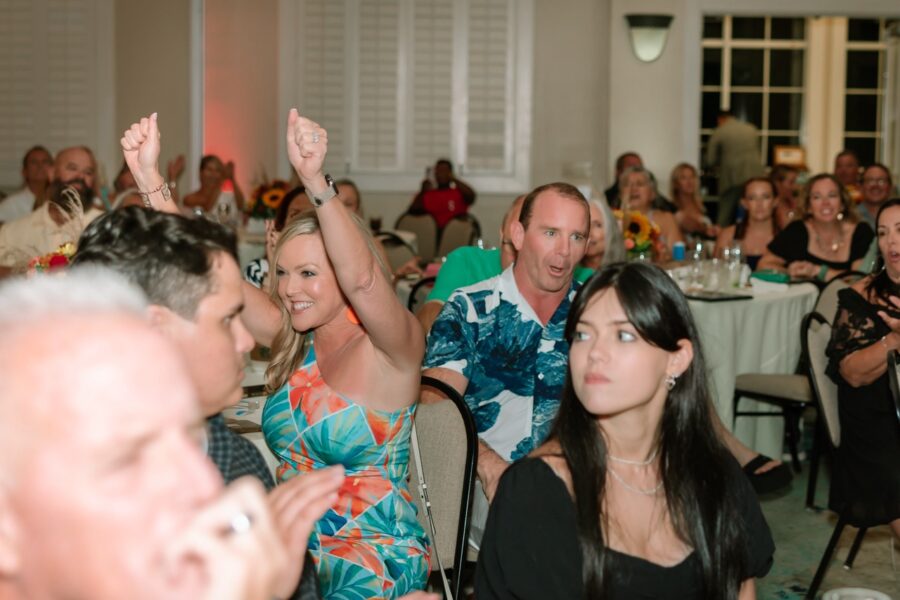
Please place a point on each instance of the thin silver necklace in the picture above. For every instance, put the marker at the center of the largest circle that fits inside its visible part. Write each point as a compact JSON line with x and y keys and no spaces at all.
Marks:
{"x":636,"y":463}
{"x":645,"y":492}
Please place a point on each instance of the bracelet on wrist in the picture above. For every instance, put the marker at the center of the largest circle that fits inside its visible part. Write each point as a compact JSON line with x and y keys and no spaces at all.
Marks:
{"x":823,"y":273}
{"x":163,"y":188}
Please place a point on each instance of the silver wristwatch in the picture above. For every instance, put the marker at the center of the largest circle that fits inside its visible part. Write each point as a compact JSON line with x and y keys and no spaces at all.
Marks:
{"x":330,"y":192}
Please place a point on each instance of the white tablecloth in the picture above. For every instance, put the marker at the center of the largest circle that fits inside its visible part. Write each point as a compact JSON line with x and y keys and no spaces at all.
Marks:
{"x":761,"y":335}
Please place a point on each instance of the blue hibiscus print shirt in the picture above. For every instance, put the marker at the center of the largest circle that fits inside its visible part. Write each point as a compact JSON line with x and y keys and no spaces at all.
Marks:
{"x":515,"y":365}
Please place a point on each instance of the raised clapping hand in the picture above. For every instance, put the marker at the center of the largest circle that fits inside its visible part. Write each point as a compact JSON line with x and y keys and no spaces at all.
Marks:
{"x":307,"y":144}
{"x":140,"y":146}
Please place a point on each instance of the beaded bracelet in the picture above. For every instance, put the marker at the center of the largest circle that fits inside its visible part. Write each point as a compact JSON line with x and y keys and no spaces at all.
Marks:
{"x":164,"y":188}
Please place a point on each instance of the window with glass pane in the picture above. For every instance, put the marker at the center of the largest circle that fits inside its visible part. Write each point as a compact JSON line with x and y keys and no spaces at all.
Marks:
{"x":763,"y":84}
{"x":865,"y":88}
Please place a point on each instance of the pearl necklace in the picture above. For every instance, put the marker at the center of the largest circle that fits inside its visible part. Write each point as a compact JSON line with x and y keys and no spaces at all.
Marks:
{"x":644,"y":492}
{"x":637,"y":463}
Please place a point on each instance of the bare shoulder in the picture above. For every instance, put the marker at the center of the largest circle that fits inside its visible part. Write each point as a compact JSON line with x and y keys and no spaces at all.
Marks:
{"x":551,"y":454}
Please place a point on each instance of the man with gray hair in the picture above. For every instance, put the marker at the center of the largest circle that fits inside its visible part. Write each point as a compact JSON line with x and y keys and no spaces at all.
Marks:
{"x":104,"y":492}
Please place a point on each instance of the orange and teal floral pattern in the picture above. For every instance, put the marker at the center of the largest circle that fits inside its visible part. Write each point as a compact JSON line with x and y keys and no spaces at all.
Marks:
{"x":369,"y":544}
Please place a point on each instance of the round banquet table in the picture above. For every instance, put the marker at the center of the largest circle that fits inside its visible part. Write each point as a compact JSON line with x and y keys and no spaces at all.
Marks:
{"x":760,"y":335}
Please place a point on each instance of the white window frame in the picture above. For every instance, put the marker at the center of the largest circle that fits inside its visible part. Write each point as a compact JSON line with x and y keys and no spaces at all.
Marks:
{"x":408,"y":176}
{"x":727,"y":44}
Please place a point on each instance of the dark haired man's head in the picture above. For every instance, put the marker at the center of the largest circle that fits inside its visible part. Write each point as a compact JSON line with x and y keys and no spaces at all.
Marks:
{"x":168,"y":256}
{"x":876,"y":184}
{"x":443,"y":172}
{"x":37,"y":164}
{"x":188,"y":269}
{"x":846,"y":167}
{"x":550,"y":237}
{"x":627,"y":160}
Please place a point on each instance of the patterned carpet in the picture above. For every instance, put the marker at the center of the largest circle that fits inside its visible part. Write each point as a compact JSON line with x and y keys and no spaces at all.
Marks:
{"x":800,"y":540}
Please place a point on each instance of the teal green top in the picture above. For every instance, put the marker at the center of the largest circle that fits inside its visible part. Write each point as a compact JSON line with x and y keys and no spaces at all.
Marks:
{"x":469,"y":264}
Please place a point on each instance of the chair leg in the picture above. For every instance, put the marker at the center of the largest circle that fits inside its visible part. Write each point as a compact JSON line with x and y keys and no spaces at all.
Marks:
{"x":734,"y":409}
{"x":792,"y":416}
{"x":818,"y":442}
{"x":857,"y":542}
{"x":826,"y":558}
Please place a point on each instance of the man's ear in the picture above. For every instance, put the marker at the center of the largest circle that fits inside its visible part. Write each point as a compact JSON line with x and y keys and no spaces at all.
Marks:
{"x":518,"y":235}
{"x":161,"y":318}
{"x":10,"y":540}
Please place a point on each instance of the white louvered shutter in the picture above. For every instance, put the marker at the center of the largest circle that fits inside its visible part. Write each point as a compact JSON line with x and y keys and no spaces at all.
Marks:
{"x":323,"y":93}
{"x":490,"y":85}
{"x":50,"y":82}
{"x":378,"y":93}
{"x":431,"y":120}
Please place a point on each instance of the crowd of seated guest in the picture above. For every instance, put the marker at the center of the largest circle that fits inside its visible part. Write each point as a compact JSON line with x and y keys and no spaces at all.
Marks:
{"x":346,"y":358}
{"x":827,"y":241}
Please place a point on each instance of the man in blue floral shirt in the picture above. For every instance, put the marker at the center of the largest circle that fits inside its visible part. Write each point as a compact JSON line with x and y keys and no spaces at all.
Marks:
{"x":500,"y":342}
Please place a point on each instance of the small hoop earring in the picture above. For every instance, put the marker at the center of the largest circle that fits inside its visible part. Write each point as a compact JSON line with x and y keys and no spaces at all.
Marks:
{"x":670,"y":381}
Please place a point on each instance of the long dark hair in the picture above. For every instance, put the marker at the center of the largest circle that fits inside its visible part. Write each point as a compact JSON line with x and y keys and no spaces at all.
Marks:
{"x":694,"y":465}
{"x":881,"y":285}
{"x":740,"y":230}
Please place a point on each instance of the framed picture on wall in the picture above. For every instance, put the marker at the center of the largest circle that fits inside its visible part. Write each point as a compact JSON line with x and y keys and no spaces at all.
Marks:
{"x":792,"y":156}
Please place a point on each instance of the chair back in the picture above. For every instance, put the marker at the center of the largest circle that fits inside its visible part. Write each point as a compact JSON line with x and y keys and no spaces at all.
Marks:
{"x":827,"y":301}
{"x":395,"y":247}
{"x":419,"y":293}
{"x":894,"y":378}
{"x":462,"y":230}
{"x":447,"y":442}
{"x":816,"y":334}
{"x":426,"y":232}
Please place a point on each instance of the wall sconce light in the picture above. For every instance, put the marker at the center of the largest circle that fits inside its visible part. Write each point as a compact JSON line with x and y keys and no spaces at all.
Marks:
{"x":648,"y":35}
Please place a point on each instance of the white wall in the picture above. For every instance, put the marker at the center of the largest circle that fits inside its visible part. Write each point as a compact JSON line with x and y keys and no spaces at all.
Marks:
{"x":152,"y":41}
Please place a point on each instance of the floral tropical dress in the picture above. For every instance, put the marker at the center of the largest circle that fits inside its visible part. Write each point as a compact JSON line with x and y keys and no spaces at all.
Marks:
{"x":369,"y":544}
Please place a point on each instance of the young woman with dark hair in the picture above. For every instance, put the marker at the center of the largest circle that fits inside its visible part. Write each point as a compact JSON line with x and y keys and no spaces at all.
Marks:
{"x":758,"y":227}
{"x":634,"y":494}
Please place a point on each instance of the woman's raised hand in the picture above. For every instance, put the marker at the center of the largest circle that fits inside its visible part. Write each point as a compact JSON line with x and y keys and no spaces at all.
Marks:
{"x":307,"y":144}
{"x":140,"y":145}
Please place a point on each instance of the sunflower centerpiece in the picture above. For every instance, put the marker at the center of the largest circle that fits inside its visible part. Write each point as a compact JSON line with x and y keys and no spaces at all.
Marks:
{"x":266,"y":199}
{"x":642,"y":236}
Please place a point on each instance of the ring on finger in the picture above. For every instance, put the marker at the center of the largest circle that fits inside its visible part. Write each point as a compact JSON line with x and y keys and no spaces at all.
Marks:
{"x":315,"y":137}
{"x":240,"y":523}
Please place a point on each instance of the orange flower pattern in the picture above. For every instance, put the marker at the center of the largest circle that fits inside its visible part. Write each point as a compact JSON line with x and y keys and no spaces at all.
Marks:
{"x":369,"y":543}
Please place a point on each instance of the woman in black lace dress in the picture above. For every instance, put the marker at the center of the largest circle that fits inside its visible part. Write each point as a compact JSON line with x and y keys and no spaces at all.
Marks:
{"x":866,"y":326}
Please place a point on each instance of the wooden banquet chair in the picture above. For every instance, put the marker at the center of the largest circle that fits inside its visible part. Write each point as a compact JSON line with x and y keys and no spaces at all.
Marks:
{"x":426,"y":232}
{"x":825,"y":390}
{"x":461,"y":230}
{"x":419,"y":293}
{"x":894,"y":378}
{"x":398,"y":251}
{"x":792,"y":393}
{"x":445,"y":444}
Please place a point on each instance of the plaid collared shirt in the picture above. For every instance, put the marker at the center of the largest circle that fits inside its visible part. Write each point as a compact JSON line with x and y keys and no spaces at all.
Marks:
{"x":235,"y":456}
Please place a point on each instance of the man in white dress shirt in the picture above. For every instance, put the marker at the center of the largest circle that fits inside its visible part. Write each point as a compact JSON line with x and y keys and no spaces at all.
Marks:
{"x":37,"y":167}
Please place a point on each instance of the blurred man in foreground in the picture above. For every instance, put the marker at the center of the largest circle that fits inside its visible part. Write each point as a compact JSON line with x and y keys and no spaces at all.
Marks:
{"x":104,"y":490}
